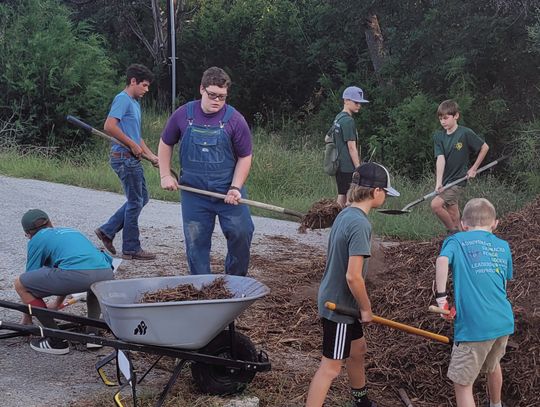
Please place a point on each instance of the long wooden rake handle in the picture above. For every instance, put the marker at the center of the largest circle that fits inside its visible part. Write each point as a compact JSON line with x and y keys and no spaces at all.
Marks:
{"x":388,"y":322}
{"x":245,"y":202}
{"x":84,"y":126}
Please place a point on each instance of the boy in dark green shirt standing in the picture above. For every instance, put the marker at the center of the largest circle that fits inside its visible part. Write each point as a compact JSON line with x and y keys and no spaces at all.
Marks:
{"x":349,"y":248}
{"x":453,"y":147}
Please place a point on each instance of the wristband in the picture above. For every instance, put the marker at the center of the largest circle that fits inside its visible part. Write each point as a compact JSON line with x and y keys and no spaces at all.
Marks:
{"x":235,"y":188}
{"x":440,"y":295}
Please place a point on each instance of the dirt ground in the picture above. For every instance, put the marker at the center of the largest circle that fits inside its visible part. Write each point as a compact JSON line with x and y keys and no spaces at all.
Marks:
{"x":285,"y":322}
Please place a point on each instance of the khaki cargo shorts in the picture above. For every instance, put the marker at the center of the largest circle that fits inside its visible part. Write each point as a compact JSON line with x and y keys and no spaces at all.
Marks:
{"x":469,"y":359}
{"x":451,"y":195}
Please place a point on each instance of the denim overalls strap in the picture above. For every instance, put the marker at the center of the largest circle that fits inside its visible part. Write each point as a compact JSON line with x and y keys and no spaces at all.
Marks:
{"x":206,"y":154}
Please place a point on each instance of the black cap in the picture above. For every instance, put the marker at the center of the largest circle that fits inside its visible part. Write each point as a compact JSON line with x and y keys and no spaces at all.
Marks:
{"x":373,"y":175}
{"x":33,"y":219}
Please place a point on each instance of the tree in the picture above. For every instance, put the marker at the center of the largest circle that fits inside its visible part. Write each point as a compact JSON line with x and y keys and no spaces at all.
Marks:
{"x":49,"y":68}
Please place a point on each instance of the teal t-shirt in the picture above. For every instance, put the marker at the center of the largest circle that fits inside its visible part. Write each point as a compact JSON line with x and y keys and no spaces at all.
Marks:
{"x":481,"y":265}
{"x":456,"y":149}
{"x":348,"y":133}
{"x":350,"y":236}
{"x":128,"y":111}
{"x":66,"y":249}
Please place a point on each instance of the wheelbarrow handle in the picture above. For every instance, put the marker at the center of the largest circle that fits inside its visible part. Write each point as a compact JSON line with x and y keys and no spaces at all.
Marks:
{"x":453,"y":183}
{"x":245,"y":201}
{"x":86,"y":127}
{"x":388,"y":322}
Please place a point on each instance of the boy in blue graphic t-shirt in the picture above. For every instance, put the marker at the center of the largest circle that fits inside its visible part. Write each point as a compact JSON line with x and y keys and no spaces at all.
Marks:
{"x":481,"y":266}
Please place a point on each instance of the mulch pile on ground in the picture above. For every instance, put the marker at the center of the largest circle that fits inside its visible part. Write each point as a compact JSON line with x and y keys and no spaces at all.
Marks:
{"x":402,"y":293}
{"x":215,"y":290}
{"x":321,"y":215}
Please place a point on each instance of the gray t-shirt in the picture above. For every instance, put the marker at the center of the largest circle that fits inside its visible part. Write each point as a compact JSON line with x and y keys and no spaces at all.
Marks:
{"x":350,"y":236}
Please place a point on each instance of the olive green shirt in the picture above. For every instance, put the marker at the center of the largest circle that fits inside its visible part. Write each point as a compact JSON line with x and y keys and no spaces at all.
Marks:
{"x":348,"y":133}
{"x":456,"y":149}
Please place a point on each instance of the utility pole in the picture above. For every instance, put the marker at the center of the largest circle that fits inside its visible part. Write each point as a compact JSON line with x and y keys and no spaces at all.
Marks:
{"x":172,"y":52}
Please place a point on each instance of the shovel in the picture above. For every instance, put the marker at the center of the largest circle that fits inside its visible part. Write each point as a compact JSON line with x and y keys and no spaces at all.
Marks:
{"x":249,"y":202}
{"x":388,"y":322}
{"x":92,"y":130}
{"x":96,"y":132}
{"x":407,"y":208}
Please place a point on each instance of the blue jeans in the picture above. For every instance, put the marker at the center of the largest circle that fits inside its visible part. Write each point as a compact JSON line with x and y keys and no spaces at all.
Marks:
{"x":126,"y":218}
{"x":199,"y":218}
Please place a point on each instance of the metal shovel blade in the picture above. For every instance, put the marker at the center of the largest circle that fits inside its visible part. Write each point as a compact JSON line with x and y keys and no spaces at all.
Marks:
{"x":406,"y":209}
{"x":393,"y":211}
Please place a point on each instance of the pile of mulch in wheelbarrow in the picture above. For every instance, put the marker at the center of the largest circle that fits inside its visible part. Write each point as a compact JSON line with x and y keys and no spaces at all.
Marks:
{"x":216,"y":290}
{"x":321,"y":215}
{"x":402,"y":293}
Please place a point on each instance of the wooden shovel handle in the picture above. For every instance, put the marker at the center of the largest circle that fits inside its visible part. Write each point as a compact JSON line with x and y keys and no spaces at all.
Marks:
{"x":388,"y":322}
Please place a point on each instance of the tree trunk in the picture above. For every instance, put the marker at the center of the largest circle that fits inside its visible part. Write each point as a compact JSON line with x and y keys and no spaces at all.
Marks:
{"x":375,"y":43}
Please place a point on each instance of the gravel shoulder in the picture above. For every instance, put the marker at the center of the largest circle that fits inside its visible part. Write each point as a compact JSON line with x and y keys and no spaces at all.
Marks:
{"x":32,"y":379}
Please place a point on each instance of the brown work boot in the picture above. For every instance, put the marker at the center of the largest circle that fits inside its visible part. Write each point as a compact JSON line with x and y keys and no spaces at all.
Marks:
{"x":107,"y":242}
{"x":140,"y":255}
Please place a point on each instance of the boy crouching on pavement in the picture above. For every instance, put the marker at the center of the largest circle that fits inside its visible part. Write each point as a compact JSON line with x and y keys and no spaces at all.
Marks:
{"x":343,"y":283}
{"x":481,"y":265}
{"x":60,"y":261}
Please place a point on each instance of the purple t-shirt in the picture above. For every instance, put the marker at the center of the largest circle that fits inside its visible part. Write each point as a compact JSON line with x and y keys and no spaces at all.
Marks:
{"x":237,"y":127}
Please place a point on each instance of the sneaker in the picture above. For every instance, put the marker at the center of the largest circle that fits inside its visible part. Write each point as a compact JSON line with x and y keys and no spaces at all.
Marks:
{"x":50,"y":345}
{"x":93,"y":345}
{"x":140,"y":255}
{"x":107,"y":242}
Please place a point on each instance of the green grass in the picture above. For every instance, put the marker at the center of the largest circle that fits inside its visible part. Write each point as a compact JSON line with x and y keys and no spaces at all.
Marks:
{"x":287,"y":177}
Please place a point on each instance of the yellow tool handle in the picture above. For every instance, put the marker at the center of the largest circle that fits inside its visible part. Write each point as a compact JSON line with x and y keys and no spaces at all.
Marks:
{"x":388,"y":322}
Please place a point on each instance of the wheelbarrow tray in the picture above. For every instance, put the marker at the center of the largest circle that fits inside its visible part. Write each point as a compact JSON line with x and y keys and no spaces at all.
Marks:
{"x":179,"y":324}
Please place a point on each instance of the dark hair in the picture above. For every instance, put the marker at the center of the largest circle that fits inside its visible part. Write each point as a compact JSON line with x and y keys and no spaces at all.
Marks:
{"x":448,"y":107}
{"x":139,"y":72}
{"x":217,"y":77}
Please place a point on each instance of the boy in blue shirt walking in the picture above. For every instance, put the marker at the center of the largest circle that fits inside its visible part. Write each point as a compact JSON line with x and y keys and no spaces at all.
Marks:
{"x":481,"y":266}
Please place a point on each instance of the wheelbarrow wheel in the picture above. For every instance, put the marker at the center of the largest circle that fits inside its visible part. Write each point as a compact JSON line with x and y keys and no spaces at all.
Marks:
{"x":220,"y":380}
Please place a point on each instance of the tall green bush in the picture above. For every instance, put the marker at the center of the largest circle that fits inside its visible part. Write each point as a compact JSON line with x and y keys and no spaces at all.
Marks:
{"x":49,"y":68}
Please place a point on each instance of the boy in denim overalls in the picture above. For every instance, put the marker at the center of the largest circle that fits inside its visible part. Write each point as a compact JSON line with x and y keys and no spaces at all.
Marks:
{"x":215,"y":155}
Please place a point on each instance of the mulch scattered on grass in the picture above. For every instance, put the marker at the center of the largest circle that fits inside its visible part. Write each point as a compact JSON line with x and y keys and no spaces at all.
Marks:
{"x":321,"y":215}
{"x":285,"y":323}
{"x":216,"y":290}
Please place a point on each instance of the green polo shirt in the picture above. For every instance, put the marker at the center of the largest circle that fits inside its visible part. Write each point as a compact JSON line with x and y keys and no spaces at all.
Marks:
{"x":456,"y":148}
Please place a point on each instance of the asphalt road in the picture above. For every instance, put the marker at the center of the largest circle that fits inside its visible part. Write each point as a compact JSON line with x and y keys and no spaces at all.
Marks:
{"x":28,"y":378}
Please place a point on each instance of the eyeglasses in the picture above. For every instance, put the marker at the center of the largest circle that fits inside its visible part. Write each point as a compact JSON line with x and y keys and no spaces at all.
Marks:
{"x":215,"y":96}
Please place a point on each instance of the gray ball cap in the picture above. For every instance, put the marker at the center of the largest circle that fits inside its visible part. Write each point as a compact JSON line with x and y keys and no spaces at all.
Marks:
{"x":355,"y":94}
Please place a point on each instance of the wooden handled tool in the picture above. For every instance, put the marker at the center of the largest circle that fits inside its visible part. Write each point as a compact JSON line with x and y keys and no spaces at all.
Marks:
{"x":388,"y":322}
{"x":96,"y":132}
{"x":438,"y":310}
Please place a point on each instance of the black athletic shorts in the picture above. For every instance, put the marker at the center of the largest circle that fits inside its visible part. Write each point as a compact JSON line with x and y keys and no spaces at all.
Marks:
{"x":343,"y":180}
{"x":337,"y":338}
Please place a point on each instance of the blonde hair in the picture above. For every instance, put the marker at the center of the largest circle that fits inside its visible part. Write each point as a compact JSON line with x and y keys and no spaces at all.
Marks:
{"x":479,"y":212}
{"x":357,"y":193}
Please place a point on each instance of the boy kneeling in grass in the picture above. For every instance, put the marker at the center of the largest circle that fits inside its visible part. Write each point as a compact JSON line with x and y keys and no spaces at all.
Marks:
{"x":481,"y":265}
{"x":349,"y":247}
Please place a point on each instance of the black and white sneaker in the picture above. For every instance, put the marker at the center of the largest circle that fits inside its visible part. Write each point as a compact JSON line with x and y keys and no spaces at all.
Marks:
{"x":50,"y":345}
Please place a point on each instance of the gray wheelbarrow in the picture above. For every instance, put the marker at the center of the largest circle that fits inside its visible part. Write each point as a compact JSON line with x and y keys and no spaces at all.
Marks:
{"x":407,"y":208}
{"x":178,"y":324}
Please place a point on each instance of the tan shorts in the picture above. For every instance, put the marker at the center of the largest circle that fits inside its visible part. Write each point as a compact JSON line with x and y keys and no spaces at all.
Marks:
{"x":451,"y":195}
{"x":469,"y":359}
